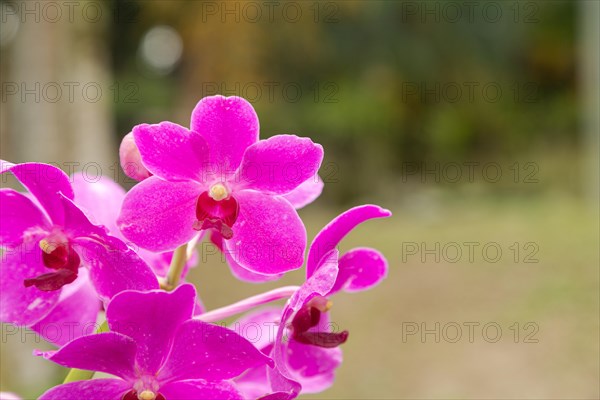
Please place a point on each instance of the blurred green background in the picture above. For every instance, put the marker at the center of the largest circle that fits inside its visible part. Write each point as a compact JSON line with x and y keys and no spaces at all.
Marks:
{"x":474,"y":122}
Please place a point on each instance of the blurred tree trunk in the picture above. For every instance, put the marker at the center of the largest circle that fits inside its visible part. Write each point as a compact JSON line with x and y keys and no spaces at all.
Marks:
{"x":61,"y":110}
{"x":37,"y":123}
{"x":589,"y":85}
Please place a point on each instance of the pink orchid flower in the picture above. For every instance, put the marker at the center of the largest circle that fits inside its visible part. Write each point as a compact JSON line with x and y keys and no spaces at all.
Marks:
{"x":46,"y":240}
{"x":156,"y":351}
{"x":305,"y":349}
{"x":218,"y":176}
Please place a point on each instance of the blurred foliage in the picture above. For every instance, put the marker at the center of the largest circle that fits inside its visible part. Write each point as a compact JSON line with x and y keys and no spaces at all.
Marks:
{"x":369,"y":58}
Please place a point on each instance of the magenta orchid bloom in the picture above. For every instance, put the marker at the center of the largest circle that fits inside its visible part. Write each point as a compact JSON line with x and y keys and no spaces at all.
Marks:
{"x":157,"y":352}
{"x":307,"y":360}
{"x":218,"y":176}
{"x":47,"y":238}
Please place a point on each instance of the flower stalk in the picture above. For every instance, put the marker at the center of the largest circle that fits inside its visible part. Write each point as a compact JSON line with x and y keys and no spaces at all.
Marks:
{"x":247,"y":304}
{"x":180,"y":257}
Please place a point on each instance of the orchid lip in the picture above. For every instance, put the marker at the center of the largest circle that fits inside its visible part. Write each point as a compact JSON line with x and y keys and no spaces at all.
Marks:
{"x":60,"y":257}
{"x":216,"y":209}
{"x":308,"y":317}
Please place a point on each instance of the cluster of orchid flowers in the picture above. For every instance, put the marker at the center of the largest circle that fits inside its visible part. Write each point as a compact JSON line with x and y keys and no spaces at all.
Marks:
{"x":78,"y":254}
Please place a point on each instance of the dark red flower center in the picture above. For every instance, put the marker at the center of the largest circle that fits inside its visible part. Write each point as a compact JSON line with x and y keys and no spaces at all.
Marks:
{"x":308,"y":317}
{"x":60,"y":257}
{"x":216,"y":209}
{"x":144,"y":395}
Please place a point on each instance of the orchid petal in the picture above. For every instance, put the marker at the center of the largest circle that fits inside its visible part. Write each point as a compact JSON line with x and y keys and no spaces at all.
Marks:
{"x":109,"y":352}
{"x":74,"y":315}
{"x":246,"y":275}
{"x":151,"y":319}
{"x":229,"y":125}
{"x":360,"y":269}
{"x":115,"y":270}
{"x":337,"y":229}
{"x":100,"y":200}
{"x":284,"y":388}
{"x":76,"y":224}
{"x":206,"y":351}
{"x":19,"y":215}
{"x":97,"y":389}
{"x":158,"y":215}
{"x":279,"y":164}
{"x":236,"y":269}
{"x":319,"y":284}
{"x":200,"y":389}
{"x":254,"y":383}
{"x":21,"y":305}
{"x":269,"y":237}
{"x":313,"y":366}
{"x":261,"y":325}
{"x":43,"y":181}
{"x":292,"y":394}
{"x":260,"y":328}
{"x":172,"y":152}
{"x":306,"y":193}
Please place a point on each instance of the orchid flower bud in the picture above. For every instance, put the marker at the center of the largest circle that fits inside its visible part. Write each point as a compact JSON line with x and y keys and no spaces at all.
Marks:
{"x":131,"y":160}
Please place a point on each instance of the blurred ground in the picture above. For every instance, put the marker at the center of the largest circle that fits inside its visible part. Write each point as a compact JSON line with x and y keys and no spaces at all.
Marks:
{"x":558,"y":294}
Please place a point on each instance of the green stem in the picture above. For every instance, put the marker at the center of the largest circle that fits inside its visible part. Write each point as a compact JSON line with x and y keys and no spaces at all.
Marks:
{"x":176,"y":268}
{"x":74,"y":374}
